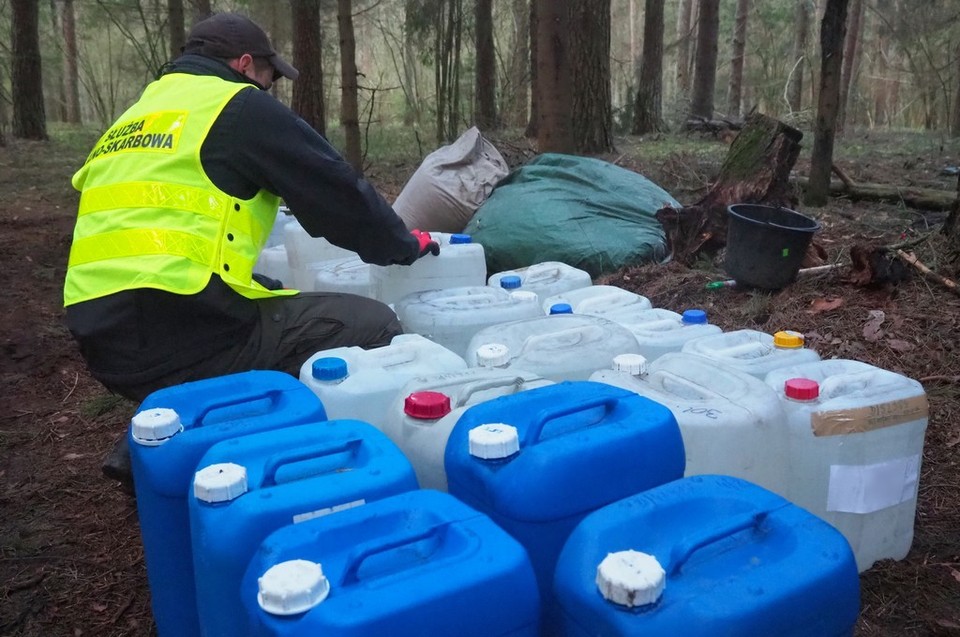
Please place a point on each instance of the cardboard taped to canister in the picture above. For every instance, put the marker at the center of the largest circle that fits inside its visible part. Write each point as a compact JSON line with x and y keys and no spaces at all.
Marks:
{"x":839,"y":422}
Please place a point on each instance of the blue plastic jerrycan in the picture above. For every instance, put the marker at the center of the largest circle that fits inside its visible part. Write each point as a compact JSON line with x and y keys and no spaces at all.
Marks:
{"x":419,"y":564}
{"x":247,"y":487}
{"x":706,"y":556}
{"x":168,"y":435}
{"x":538,"y":461}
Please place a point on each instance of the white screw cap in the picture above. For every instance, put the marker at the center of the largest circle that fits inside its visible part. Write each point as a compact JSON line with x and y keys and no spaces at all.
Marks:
{"x":634,"y":364}
{"x":220,"y":482}
{"x":493,"y":441}
{"x":631,"y":578}
{"x":292,"y":587}
{"x":492,"y":355}
{"x":153,"y":427}
{"x":523,"y":295}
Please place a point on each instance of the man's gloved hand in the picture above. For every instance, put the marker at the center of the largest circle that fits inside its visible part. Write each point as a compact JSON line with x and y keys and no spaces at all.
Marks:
{"x":427,"y":243}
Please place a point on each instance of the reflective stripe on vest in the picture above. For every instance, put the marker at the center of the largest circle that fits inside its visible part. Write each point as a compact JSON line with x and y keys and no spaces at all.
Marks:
{"x":149,"y":216}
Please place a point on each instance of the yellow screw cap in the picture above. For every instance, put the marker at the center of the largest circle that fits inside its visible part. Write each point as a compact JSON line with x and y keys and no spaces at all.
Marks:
{"x":788,"y":339}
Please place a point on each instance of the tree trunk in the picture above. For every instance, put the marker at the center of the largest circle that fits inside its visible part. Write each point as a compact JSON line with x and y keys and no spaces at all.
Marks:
{"x":201,"y":10}
{"x":308,"y":99}
{"x":592,"y":100}
{"x":832,"y":30}
{"x":486,"y":73}
{"x":705,"y":69}
{"x":516,"y":115}
{"x":533,"y":124}
{"x":851,"y":48}
{"x":884,"y":87}
{"x":71,"y":84}
{"x":682,"y":72}
{"x":795,"y":82}
{"x":756,"y":170}
{"x":647,"y":113}
{"x":955,"y":122}
{"x":735,"y":88}
{"x":26,"y":81}
{"x":555,"y":84}
{"x":175,"y":21}
{"x":349,"y":107}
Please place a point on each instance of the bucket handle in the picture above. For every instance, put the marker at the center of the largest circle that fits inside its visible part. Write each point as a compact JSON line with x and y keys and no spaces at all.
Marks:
{"x":532,"y":341}
{"x":552,"y":413}
{"x":468,"y":390}
{"x":313,"y":452}
{"x":249,"y":396}
{"x":684,"y":551}
{"x":363,"y":552}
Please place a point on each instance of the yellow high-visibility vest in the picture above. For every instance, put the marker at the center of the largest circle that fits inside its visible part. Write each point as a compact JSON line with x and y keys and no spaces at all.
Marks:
{"x":150,"y":217}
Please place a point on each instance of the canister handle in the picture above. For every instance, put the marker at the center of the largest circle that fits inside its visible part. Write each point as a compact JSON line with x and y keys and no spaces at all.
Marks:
{"x":596,"y":334}
{"x":843,"y":383}
{"x":661,"y":375}
{"x":249,"y":396}
{"x":684,"y":551}
{"x":552,"y":413}
{"x":365,"y":551}
{"x":302,"y":454}
{"x":468,"y":390}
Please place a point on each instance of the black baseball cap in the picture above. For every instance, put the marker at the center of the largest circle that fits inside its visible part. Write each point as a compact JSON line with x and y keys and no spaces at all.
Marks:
{"x":230,"y":35}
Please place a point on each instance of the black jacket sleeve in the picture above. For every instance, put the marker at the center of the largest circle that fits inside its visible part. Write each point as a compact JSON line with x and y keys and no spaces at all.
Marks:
{"x":261,"y":142}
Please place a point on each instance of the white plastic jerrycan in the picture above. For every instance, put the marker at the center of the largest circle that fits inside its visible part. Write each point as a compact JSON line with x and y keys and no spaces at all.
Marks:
{"x":361,"y":384}
{"x":731,"y":422}
{"x":347,"y":275}
{"x":460,"y":263}
{"x":599,"y":300}
{"x":559,"y":347}
{"x":855,"y":446}
{"x":752,"y":351}
{"x":452,"y":316}
{"x":273,"y":263}
{"x":428,"y":407}
{"x":303,"y":251}
{"x":660,"y":331}
{"x":544,"y":279}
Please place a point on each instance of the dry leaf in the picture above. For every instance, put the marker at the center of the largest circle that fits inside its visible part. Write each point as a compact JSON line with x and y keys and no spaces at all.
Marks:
{"x":871,"y":330}
{"x":899,"y":345}
{"x":955,"y":573}
{"x":824,"y":305}
{"x":99,"y":607}
{"x":75,"y":456}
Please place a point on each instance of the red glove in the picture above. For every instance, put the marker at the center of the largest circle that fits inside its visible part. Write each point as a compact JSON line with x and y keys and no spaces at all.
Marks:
{"x":427,"y":244}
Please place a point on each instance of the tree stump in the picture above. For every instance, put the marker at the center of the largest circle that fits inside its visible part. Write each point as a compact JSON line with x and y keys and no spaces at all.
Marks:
{"x":756,"y":170}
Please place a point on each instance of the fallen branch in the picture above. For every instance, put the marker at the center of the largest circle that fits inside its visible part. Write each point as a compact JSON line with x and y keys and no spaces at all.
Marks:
{"x":911,"y":259}
{"x":842,"y":175}
{"x":918,"y":198}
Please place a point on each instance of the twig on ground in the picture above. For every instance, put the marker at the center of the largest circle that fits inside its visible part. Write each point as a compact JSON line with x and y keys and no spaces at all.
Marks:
{"x":947,"y":379}
{"x":911,"y":259}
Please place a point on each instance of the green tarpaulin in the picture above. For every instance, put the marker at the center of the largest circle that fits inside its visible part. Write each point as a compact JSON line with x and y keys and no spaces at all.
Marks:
{"x":583,"y":212}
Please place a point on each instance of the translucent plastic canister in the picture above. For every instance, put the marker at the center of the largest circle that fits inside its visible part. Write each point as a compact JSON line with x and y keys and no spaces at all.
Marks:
{"x":304,"y":250}
{"x":428,"y":408}
{"x":170,"y":432}
{"x":855,"y":446}
{"x":598,"y":300}
{"x":539,"y":461}
{"x":346,"y":275}
{"x":544,"y":279}
{"x":558,"y":347}
{"x":752,"y":351}
{"x":732,"y":422}
{"x":247,"y":487}
{"x":362,"y":384}
{"x":273,"y":263}
{"x":460,"y":263}
{"x":420,"y":564}
{"x":706,"y":556}
{"x":452,"y":316}
{"x":660,"y":331}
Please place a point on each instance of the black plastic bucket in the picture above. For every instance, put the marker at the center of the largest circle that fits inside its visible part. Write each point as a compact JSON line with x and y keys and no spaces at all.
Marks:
{"x":766,"y":245}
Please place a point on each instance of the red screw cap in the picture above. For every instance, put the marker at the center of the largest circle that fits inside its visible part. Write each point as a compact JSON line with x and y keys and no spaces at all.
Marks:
{"x":426,"y":405}
{"x":801,"y":389}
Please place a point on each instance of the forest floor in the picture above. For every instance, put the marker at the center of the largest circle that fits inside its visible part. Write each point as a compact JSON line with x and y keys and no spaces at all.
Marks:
{"x":71,"y":562}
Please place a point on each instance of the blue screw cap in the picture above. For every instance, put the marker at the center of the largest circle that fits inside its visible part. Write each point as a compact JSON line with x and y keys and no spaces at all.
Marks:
{"x":561,"y":308}
{"x":329,"y":368}
{"x":510,"y":282}
{"x":460,"y":238}
{"x":694,"y":317}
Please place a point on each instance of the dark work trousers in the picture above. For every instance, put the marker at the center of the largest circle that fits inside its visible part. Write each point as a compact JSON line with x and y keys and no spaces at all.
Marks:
{"x":290,"y":329}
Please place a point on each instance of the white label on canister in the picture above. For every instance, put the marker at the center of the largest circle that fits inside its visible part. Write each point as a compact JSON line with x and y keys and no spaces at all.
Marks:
{"x":303,"y":517}
{"x":872,"y":487}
